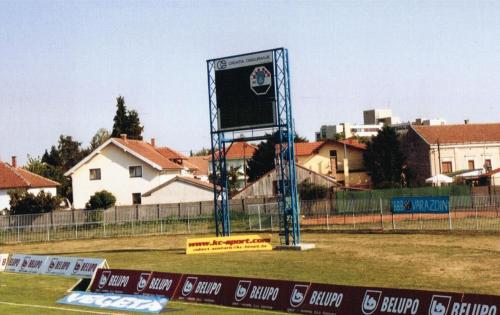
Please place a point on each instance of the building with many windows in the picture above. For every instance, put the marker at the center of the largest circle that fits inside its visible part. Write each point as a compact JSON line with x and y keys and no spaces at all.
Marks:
{"x":449,"y":149}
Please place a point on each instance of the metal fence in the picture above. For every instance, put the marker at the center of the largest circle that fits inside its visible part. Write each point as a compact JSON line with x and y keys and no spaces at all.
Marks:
{"x":468,"y":213}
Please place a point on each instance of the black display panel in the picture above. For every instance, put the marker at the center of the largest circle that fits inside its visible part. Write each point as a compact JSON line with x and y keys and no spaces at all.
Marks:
{"x":245,"y":91}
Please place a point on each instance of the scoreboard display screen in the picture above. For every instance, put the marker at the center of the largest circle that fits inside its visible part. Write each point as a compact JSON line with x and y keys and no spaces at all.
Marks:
{"x":245,"y":91}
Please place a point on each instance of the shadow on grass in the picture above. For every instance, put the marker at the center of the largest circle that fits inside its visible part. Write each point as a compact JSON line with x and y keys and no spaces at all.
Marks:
{"x":121,"y":250}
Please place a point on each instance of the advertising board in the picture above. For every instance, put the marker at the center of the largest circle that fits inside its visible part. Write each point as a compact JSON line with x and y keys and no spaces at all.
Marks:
{"x":423,"y":204}
{"x":135,"y":282}
{"x":112,"y":301}
{"x":224,"y":244}
{"x":4,"y":258}
{"x":202,"y":289}
{"x":245,"y":91}
{"x":54,"y":265}
{"x":292,"y":296}
{"x":21,"y":263}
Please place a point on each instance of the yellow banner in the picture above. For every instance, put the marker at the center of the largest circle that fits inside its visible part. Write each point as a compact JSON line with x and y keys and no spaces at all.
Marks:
{"x":224,"y":244}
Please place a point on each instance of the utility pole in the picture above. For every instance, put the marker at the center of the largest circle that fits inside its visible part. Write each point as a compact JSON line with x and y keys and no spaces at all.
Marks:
{"x":439,"y":157}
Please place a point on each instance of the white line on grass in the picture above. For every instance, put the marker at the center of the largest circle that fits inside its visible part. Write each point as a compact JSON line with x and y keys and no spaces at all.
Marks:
{"x":59,"y":308}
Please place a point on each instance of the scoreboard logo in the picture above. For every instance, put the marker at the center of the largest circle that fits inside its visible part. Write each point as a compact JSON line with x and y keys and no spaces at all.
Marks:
{"x":260,"y":80}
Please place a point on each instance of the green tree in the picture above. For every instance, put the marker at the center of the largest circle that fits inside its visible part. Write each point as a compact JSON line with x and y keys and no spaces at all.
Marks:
{"x":233,"y":175}
{"x":202,"y":152}
{"x":55,"y":163}
{"x":70,"y":152}
{"x":101,"y":136}
{"x":101,"y":200}
{"x":23,"y":202}
{"x":126,"y":122}
{"x":262,"y":160}
{"x":384,"y":160}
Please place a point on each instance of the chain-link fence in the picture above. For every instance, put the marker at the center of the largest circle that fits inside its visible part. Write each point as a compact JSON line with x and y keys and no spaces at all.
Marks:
{"x":472,"y":213}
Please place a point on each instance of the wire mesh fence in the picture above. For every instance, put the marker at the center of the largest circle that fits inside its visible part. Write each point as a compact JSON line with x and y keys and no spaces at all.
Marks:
{"x":467,"y":213}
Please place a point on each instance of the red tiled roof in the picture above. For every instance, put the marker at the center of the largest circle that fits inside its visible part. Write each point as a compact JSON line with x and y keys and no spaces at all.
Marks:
{"x":201,"y":162}
{"x":310,"y":148}
{"x":353,"y":143}
{"x":177,"y":156}
{"x":466,"y":133}
{"x":170,"y":154}
{"x":307,"y":148}
{"x":149,"y":152}
{"x":240,"y":150}
{"x":13,"y":177}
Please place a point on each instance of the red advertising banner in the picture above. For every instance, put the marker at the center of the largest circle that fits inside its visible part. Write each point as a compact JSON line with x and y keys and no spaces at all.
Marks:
{"x":135,"y":282}
{"x":202,"y":289}
{"x":293,"y":297}
{"x":264,"y":294}
{"x":120,"y":281}
{"x":163,"y":283}
{"x":321,"y":299}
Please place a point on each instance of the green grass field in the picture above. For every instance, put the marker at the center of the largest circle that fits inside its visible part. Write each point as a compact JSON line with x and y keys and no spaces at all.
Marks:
{"x":446,"y":262}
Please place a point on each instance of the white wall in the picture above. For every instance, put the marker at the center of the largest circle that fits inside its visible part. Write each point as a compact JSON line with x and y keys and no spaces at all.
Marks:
{"x":114,"y":164}
{"x":178,"y":192}
{"x":4,"y":199}
{"x":459,"y":155}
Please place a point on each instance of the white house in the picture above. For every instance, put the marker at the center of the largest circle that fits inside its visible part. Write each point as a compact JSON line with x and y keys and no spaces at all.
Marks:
{"x":12,"y":177}
{"x":237,"y":156}
{"x":180,"y":189}
{"x":128,"y":169}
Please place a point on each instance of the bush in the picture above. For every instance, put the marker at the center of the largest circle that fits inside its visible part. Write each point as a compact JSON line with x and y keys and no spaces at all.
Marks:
{"x":23,"y":202}
{"x":101,"y":200}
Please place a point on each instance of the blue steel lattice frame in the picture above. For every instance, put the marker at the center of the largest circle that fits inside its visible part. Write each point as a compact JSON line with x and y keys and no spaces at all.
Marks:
{"x":287,"y":180}
{"x":219,"y":172}
{"x":285,"y":157}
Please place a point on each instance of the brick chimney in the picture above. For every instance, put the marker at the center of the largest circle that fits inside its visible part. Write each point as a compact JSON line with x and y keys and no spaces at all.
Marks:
{"x":153,"y":142}
{"x":123,"y":136}
{"x":14,"y":161}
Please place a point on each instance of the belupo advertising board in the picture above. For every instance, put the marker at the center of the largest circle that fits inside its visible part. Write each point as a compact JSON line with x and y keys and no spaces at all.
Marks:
{"x":202,"y":289}
{"x":134,"y":282}
{"x":316,"y":298}
{"x":4,"y":258}
{"x":294,"y":297}
{"x":265,"y":294}
{"x":54,"y":265}
{"x":21,"y":263}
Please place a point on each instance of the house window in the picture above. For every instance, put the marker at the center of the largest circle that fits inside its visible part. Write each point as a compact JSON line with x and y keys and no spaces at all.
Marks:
{"x":135,"y":171}
{"x":333,"y":153}
{"x":136,"y":198}
{"x":95,"y":174}
{"x":487,"y":165}
{"x":446,"y":167}
{"x":470,"y":163}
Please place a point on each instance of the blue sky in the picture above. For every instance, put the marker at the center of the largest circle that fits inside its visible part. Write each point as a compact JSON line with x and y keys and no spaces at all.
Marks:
{"x":63,"y":63}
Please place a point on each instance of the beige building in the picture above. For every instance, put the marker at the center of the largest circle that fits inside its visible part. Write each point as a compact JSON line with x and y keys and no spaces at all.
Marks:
{"x":267,"y":185}
{"x":446,"y":149}
{"x":341,"y":160}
